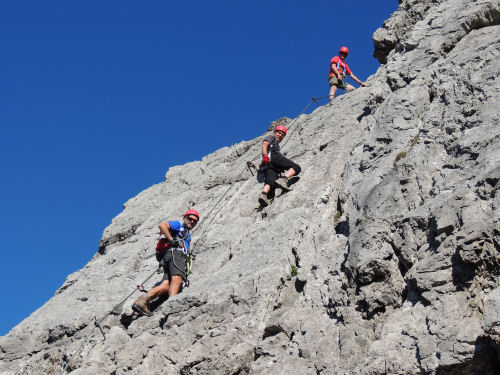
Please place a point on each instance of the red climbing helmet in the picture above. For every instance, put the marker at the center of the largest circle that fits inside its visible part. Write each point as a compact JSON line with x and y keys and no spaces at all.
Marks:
{"x":192,"y":212}
{"x":344,"y":50}
{"x":280,"y":128}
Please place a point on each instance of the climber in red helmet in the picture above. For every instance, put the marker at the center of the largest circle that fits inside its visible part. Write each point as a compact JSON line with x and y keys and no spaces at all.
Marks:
{"x":274,"y":163}
{"x":172,"y":258}
{"x":338,"y":71}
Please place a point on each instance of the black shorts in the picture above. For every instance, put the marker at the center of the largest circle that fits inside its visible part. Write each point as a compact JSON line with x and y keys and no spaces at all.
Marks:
{"x":174,"y":264}
{"x":278,"y":164}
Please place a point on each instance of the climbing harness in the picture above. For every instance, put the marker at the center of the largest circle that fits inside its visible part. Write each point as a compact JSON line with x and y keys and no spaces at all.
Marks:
{"x":163,"y":244}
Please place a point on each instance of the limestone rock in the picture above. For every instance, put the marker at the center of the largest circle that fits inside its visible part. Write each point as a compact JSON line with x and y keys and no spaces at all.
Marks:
{"x":384,"y":258}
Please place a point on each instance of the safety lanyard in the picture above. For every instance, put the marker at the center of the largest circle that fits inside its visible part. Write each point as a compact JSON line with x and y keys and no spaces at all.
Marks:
{"x":183,"y":235}
{"x":338,"y":65}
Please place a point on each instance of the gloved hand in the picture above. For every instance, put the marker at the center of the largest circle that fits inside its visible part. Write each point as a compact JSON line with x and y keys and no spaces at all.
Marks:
{"x":265,"y":159}
{"x":177,"y":242}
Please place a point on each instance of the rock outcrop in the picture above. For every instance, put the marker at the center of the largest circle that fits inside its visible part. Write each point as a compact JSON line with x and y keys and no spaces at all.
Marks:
{"x":383,"y":259}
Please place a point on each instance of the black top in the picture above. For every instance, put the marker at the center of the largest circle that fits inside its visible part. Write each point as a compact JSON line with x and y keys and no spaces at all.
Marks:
{"x":274,"y":146}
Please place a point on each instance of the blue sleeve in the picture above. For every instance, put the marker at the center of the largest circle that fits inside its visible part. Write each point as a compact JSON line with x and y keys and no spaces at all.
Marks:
{"x":175,"y":226}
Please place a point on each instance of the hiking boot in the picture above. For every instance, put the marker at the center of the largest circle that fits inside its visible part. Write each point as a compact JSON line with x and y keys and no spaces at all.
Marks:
{"x":282,"y":182}
{"x":263,"y":200}
{"x":141,"y":306}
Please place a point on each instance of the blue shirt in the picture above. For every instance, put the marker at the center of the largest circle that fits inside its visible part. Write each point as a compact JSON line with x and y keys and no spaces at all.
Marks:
{"x":177,"y":230}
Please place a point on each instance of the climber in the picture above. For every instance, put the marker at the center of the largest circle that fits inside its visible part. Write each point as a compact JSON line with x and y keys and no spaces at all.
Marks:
{"x":273,"y":163}
{"x":177,"y":236}
{"x":338,"y":71}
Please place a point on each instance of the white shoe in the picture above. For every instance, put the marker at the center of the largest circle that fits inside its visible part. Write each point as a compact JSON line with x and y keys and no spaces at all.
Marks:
{"x":282,"y":182}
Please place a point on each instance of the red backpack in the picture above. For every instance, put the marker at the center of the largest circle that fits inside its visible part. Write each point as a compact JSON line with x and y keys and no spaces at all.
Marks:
{"x":161,"y":247}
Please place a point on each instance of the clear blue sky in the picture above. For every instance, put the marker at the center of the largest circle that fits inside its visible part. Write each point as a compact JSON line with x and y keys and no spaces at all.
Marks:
{"x":100,"y":98}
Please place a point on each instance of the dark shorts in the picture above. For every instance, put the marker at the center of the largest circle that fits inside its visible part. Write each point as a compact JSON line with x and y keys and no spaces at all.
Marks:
{"x":279,"y":164}
{"x":175,"y":264}
{"x":333,"y":81}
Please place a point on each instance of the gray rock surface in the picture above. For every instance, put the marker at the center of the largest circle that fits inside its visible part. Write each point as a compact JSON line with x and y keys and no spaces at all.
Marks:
{"x":393,"y":230}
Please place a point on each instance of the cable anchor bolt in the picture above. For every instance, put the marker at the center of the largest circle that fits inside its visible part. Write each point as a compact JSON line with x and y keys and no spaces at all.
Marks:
{"x":98,"y":325}
{"x":251,"y":165}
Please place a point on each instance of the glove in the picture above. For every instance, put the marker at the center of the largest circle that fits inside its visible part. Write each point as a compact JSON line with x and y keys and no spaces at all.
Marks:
{"x":265,"y":159}
{"x":177,"y":242}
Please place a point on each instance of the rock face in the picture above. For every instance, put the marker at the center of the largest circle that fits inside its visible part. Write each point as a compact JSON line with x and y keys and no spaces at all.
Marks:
{"x":383,"y":259}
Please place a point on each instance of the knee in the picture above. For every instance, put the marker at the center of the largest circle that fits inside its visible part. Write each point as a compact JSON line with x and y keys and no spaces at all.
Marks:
{"x":297,"y":168}
{"x":177,"y":281}
{"x":175,"y":285}
{"x":164,"y":287}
